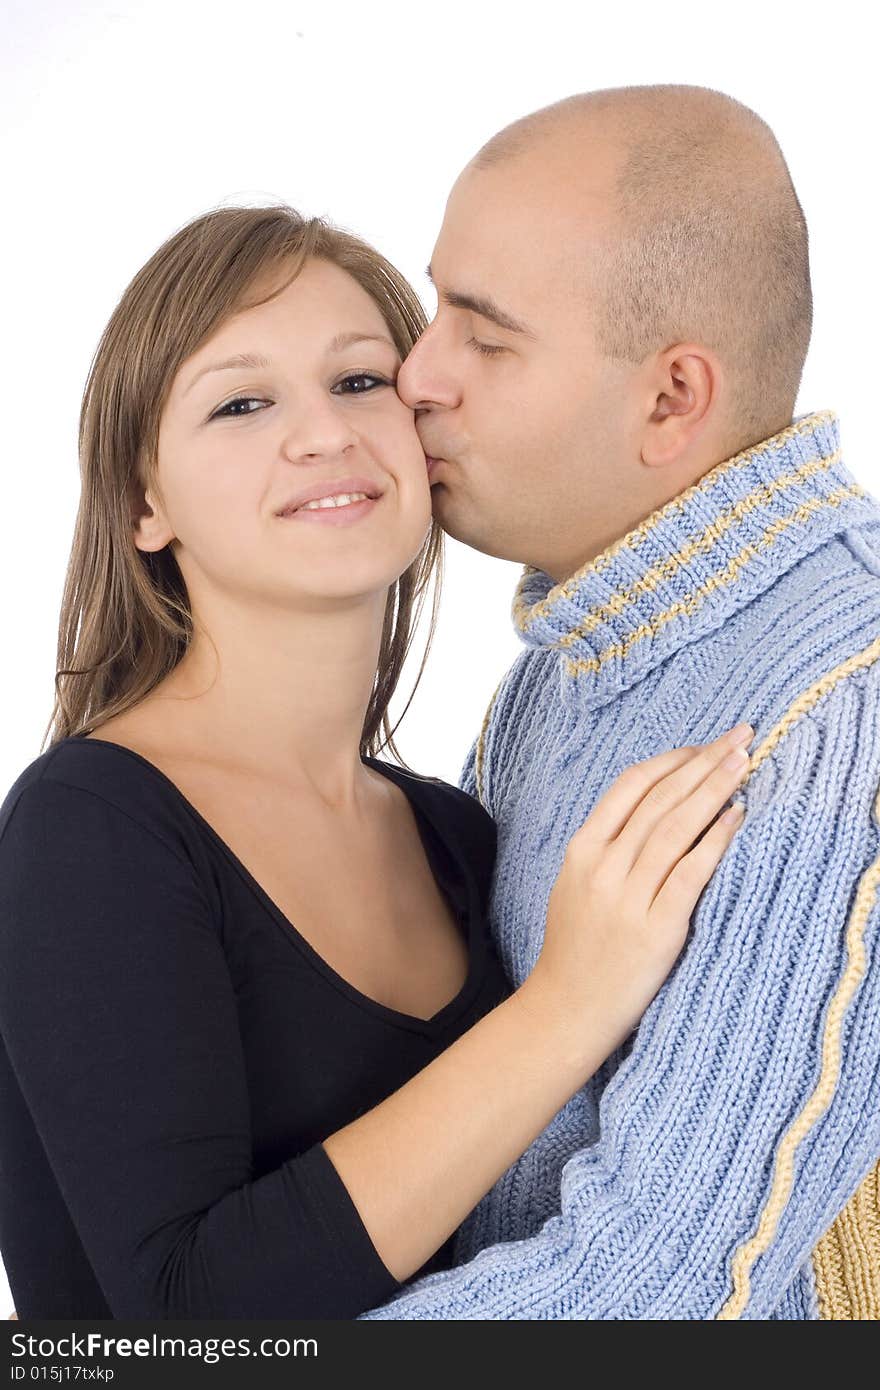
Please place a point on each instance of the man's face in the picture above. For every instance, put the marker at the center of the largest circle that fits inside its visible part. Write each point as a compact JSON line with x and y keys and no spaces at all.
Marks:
{"x":529,"y":427}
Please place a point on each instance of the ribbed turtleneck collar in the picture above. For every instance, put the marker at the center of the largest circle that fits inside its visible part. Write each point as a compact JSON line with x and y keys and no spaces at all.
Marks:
{"x":689,"y":565}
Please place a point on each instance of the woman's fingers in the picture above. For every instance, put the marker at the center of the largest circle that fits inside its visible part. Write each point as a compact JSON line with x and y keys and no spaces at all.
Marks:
{"x":614,"y":808}
{"x":677,"y":831}
{"x":662,"y":801}
{"x":613,"y":933}
{"x":679,"y":894}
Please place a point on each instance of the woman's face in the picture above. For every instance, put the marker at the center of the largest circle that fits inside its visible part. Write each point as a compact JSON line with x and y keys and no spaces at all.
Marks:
{"x":319,"y":416}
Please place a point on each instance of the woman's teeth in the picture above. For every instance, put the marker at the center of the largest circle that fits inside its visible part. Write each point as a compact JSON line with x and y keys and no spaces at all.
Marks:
{"x":340,"y":500}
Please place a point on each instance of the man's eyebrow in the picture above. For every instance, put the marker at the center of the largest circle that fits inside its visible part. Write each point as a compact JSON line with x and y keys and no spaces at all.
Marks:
{"x":484,"y":306}
{"x":254,"y":359}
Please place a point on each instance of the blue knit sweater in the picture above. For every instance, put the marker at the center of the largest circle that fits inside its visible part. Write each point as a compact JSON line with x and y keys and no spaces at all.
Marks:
{"x":722,"y":1163}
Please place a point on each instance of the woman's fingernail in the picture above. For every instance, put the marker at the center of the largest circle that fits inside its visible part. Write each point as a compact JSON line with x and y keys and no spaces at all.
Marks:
{"x":737,"y":759}
{"x":743,"y":733}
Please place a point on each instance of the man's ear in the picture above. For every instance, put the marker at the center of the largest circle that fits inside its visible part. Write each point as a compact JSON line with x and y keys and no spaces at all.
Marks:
{"x":685,"y":384}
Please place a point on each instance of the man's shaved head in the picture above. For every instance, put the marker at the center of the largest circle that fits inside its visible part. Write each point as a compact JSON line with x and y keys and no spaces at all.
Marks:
{"x":705,"y":240}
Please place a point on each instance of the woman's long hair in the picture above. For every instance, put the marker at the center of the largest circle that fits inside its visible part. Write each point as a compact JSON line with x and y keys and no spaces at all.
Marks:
{"x":125,"y":618}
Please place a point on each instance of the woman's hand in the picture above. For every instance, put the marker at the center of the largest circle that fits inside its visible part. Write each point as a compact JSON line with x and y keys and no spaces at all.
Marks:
{"x":619,"y":911}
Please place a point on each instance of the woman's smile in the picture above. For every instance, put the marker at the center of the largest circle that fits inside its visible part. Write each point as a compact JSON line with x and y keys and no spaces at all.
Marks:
{"x":337,"y":513}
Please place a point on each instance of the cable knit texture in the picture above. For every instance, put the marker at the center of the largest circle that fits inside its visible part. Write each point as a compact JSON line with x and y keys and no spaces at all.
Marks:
{"x":722,"y":1163}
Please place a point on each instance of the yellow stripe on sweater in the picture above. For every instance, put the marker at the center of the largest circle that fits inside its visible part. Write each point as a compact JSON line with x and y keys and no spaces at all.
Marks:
{"x":846,"y":1262}
{"x":480,"y":751}
{"x":854,"y":969}
{"x":702,"y":543}
{"x":690,"y":604}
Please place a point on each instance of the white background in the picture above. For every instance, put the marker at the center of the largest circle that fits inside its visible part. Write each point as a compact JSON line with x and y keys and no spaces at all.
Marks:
{"x":123,"y":120}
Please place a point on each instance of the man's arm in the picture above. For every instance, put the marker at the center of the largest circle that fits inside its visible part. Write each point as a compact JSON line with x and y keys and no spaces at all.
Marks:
{"x":748,"y":1111}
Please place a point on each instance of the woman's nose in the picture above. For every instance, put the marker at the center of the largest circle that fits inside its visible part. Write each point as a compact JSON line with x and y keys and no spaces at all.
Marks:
{"x":320,"y":429}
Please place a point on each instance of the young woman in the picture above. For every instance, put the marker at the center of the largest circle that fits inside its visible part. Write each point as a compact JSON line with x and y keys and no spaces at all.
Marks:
{"x":259,"y":1058}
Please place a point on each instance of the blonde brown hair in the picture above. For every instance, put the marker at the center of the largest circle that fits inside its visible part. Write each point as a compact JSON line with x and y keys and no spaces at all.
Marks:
{"x":125,"y":618}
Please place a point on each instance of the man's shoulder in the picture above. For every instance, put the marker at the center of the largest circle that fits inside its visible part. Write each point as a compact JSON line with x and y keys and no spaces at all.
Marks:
{"x":819,"y":623}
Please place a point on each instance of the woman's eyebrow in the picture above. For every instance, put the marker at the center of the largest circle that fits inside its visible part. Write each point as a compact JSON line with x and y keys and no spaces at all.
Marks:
{"x":344,"y":340}
{"x":484,"y":306}
{"x":255,"y":359}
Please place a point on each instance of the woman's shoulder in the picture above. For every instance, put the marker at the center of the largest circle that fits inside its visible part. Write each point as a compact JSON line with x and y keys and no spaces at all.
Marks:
{"x":435,"y":790}
{"x":458,"y":816}
{"x":80,"y":783}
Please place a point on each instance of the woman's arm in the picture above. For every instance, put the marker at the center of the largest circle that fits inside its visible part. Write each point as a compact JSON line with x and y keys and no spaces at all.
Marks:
{"x":417,"y":1163}
{"x":120,"y":1020}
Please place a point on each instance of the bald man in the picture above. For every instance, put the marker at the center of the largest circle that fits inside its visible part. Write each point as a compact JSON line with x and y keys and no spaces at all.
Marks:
{"x":606,"y":395}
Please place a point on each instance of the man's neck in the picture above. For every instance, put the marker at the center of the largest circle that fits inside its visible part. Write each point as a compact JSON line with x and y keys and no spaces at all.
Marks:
{"x":685,"y":569}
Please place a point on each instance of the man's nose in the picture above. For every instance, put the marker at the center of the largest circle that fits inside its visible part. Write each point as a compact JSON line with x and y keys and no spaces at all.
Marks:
{"x":426,"y":377}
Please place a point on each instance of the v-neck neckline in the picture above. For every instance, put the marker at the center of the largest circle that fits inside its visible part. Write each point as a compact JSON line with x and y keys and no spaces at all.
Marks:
{"x":423,"y":818}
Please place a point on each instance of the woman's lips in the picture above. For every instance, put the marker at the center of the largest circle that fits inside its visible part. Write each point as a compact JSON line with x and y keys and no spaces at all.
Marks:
{"x":431,"y":463}
{"x":334,"y":516}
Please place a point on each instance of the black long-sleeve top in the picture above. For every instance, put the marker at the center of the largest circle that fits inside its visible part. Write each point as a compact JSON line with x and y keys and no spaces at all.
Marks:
{"x":173,"y":1051}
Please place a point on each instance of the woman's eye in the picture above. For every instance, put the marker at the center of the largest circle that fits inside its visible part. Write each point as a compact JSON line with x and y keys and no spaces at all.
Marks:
{"x":353,"y":382}
{"x":361,"y":376}
{"x":226,"y":410}
{"x":486,"y":349}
